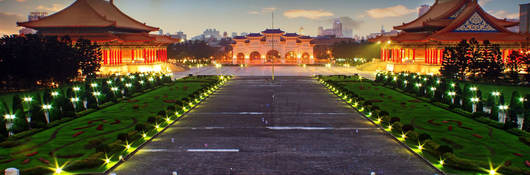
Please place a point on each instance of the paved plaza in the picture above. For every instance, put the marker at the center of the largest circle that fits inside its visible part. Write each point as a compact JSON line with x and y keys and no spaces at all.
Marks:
{"x":278,"y":71}
{"x":290,"y":126}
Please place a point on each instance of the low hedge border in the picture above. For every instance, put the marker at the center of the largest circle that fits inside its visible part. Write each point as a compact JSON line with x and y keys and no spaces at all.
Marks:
{"x":451,"y":160}
{"x":390,"y":133}
{"x":129,"y":155}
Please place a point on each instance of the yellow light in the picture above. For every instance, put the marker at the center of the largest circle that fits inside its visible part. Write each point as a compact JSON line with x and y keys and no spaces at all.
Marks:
{"x":144,"y":135}
{"x":107,"y":160}
{"x":403,"y":136}
{"x":168,"y":120}
{"x":58,"y":170}
{"x":127,"y":146}
{"x":157,"y":126}
{"x":420,"y":147}
{"x":442,"y":162}
{"x":389,"y":42}
{"x":492,"y":172}
{"x":390,"y":127}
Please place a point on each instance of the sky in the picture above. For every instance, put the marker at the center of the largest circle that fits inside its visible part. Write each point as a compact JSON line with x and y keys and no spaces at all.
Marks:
{"x":194,"y":16}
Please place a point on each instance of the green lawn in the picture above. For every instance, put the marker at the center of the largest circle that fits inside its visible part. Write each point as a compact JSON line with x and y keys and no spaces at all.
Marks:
{"x":118,"y":118}
{"x":495,"y":145}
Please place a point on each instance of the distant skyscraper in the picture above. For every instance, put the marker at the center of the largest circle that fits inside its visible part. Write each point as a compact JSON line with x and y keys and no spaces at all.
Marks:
{"x":161,"y":32}
{"x":524,"y":16}
{"x":423,"y":9}
{"x":301,"y":30}
{"x":234,"y":34}
{"x":320,"y":31}
{"x":225,"y":34}
{"x":337,"y":28}
{"x":244,"y":34}
{"x":33,"y":16}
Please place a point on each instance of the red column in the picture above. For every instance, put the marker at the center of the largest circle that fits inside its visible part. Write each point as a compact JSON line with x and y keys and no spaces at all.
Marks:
{"x":414,"y":54}
{"x":145,"y":55}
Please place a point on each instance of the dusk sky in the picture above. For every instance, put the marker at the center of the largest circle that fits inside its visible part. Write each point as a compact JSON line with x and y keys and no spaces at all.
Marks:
{"x":194,"y":16}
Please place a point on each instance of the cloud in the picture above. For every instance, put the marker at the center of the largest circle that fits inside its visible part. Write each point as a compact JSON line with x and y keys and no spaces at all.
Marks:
{"x":394,"y":11}
{"x":310,"y":14}
{"x":8,"y":22}
{"x":262,"y":11}
{"x":483,"y":2}
{"x":503,"y":14}
{"x":52,"y":8}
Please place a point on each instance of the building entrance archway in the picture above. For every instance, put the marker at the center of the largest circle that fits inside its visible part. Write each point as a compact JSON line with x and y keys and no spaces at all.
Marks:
{"x":306,"y":59}
{"x":273,"y":56}
{"x":240,"y":59}
{"x":255,"y":58}
{"x":291,"y":58}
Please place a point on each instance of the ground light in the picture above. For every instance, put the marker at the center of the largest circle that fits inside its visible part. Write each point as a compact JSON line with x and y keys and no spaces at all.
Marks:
{"x":442,"y":162}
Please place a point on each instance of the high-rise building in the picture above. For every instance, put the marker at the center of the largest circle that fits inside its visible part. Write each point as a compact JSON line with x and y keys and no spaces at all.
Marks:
{"x":234,"y":34}
{"x":33,"y":16}
{"x":225,"y":34}
{"x":337,"y":28}
{"x":423,"y":9}
{"x":524,"y":17}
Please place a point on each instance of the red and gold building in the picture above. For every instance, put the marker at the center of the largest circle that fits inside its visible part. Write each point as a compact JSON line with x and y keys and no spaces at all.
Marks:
{"x":422,"y":41}
{"x":126,"y":44}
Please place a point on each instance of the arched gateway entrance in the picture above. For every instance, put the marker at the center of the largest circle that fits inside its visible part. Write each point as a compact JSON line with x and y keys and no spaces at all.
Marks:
{"x":255,"y":58}
{"x":273,"y":55}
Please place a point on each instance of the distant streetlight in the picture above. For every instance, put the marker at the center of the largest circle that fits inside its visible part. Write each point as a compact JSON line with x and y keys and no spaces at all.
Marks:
{"x":47,"y":108}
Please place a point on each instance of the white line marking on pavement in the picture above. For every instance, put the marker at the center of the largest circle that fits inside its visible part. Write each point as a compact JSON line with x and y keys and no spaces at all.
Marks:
{"x":312,"y":128}
{"x":153,"y":150}
{"x":213,"y":150}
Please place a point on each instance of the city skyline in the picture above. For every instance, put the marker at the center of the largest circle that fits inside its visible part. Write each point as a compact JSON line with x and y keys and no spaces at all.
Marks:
{"x":254,"y":16}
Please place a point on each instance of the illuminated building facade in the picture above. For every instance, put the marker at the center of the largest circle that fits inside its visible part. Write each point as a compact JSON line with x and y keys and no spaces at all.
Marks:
{"x":126,"y":44}
{"x":446,"y":23}
{"x":272,"y":45}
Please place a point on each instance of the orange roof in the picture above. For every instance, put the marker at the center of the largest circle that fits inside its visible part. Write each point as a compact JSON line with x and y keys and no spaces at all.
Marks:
{"x":440,"y":10}
{"x":443,"y":12}
{"x":454,"y":28}
{"x":89,"y":13}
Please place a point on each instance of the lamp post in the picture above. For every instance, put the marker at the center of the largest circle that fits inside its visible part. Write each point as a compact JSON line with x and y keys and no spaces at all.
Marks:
{"x":452,"y":95}
{"x":28,"y":101}
{"x":47,"y":108}
{"x":9,"y":122}
{"x":474,"y":100}
{"x":74,"y":101}
{"x":96,"y":95}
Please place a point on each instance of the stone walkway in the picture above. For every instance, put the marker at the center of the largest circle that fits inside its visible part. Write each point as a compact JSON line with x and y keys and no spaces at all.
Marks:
{"x":290,"y":126}
{"x":279,"y":71}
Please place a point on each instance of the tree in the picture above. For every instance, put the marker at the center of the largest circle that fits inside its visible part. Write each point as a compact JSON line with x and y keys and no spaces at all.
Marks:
{"x":472,"y":58}
{"x":514,"y":64}
{"x":90,"y":57}
{"x":31,"y":61}
{"x":19,"y":123}
{"x":515,"y":109}
{"x":480,"y":104}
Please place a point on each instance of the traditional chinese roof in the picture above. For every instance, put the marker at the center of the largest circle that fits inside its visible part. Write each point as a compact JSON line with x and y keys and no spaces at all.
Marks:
{"x":89,"y":14}
{"x":119,"y":37}
{"x":444,"y":12}
{"x":254,"y":35}
{"x":291,"y":35}
{"x":455,"y":20}
{"x":273,"y":31}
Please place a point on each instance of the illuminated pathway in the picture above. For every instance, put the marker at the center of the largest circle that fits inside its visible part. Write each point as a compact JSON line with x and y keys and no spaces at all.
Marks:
{"x":279,"y":71}
{"x":291,"y":126}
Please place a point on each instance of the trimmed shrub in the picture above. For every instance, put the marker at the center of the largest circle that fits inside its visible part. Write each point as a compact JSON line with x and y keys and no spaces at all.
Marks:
{"x":424,"y":136}
{"x":161,"y":113}
{"x":94,"y":143}
{"x":11,"y":143}
{"x":151,"y":120}
{"x":525,"y":140}
{"x":412,"y":135}
{"x":394,"y":120}
{"x":123,"y":136}
{"x":36,"y":171}
{"x":407,"y":127}
{"x":141,"y":127}
{"x":396,"y":127}
{"x":444,"y":149}
{"x":92,"y":161}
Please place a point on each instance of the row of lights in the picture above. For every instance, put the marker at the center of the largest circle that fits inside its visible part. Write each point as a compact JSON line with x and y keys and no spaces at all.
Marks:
{"x":129,"y":148}
{"x":403,"y":137}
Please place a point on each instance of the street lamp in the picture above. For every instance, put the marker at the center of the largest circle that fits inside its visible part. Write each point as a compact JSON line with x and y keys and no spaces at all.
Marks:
{"x":74,"y":101}
{"x":55,"y":94}
{"x":47,"y":108}
{"x":109,"y":81}
{"x":96,"y":94}
{"x":94,"y":85}
{"x":9,"y":122}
